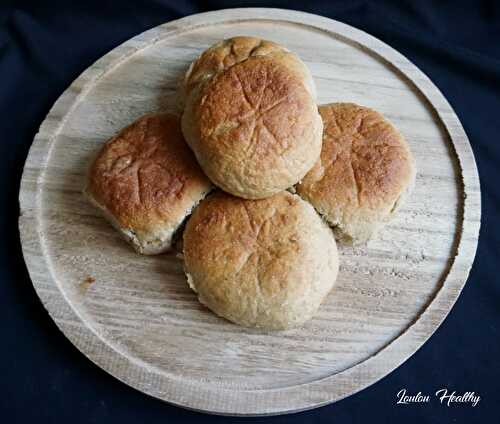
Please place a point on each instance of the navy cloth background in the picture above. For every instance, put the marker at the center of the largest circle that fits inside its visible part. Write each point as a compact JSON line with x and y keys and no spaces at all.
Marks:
{"x":46,"y":45}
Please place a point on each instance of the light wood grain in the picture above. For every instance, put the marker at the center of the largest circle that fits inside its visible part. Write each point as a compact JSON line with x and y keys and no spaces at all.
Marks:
{"x":135,"y":316}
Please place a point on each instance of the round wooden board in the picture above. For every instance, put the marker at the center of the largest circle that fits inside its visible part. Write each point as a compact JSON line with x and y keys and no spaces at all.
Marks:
{"x":136,"y":317}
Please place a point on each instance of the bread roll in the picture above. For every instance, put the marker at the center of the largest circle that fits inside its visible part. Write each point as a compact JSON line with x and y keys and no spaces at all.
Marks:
{"x":145,"y":181}
{"x":227,"y":53}
{"x":264,"y":263}
{"x":363,"y":175}
{"x":253,"y":127}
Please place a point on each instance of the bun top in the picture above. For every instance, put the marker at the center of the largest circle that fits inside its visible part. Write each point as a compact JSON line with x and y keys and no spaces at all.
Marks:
{"x":364,"y":169}
{"x":254,"y":128}
{"x":146,"y":176}
{"x":228,"y":53}
{"x":266,"y":263}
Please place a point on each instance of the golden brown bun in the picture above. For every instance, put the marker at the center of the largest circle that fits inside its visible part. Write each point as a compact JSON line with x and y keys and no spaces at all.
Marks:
{"x":364,"y":171}
{"x":228,"y":53}
{"x":146,"y":181}
{"x":254,"y":128}
{"x":260,"y":263}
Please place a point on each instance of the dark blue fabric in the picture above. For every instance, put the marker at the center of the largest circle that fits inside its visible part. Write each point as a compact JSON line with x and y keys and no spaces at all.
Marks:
{"x":45,"y":45}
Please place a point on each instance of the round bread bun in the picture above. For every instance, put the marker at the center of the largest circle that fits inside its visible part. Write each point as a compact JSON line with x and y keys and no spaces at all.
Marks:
{"x":254,"y":128}
{"x":263,"y":263}
{"x":228,"y":53}
{"x":364,"y":172}
{"x":145,"y":180}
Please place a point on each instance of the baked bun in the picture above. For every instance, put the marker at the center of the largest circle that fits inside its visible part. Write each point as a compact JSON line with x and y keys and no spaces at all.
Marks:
{"x":254,"y":128}
{"x":146,"y":180}
{"x":227,"y":53}
{"x":265,"y":263}
{"x":364,"y":172}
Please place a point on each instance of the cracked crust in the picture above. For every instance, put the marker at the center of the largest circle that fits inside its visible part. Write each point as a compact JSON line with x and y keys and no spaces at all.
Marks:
{"x":146,"y":180}
{"x":364,"y":171}
{"x":266,"y":263}
{"x":228,"y":53}
{"x":254,"y":128}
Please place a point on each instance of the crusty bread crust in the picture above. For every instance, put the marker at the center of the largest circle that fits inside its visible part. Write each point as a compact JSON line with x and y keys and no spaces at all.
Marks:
{"x":266,"y":263}
{"x":254,"y":128}
{"x":146,"y":180}
{"x":228,"y":53}
{"x":364,"y":172}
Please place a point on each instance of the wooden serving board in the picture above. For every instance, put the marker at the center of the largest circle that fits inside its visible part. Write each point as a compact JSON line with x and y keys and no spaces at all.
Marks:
{"x":136,"y":317}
